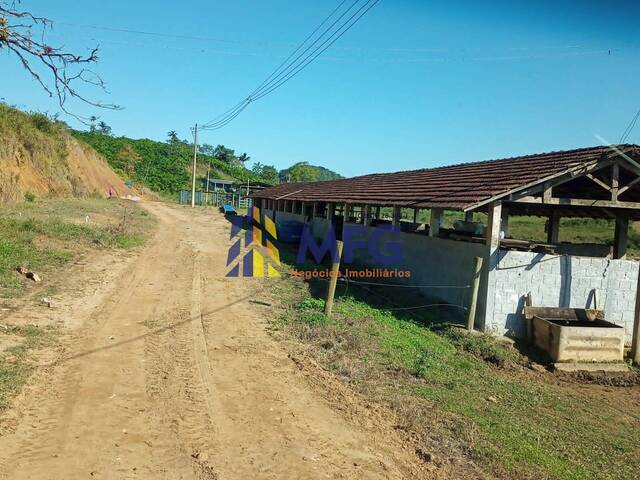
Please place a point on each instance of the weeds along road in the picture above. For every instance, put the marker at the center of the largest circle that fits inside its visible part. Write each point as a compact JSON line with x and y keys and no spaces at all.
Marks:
{"x":170,"y":374}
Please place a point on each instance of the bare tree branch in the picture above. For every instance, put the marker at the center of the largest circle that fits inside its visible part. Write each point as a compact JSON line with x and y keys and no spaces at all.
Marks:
{"x":56,"y":70}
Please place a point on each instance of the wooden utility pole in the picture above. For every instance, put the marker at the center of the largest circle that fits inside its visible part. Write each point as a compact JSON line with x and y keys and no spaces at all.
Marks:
{"x":333,"y":280}
{"x":475,"y":287}
{"x":208,"y":170}
{"x":195,"y":162}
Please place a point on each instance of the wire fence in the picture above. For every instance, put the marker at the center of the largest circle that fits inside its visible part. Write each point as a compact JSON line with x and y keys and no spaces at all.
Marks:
{"x":216,"y":199}
{"x":395,"y":307}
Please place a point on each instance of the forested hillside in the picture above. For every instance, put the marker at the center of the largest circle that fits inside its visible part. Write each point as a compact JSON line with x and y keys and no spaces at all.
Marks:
{"x":303,"y":172}
{"x":166,"y":166}
{"x":162,"y":166}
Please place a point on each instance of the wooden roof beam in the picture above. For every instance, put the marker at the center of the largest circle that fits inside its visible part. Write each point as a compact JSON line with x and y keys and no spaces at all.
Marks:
{"x":599,"y":182}
{"x":628,"y":186}
{"x":581,"y":202}
{"x":542,"y":184}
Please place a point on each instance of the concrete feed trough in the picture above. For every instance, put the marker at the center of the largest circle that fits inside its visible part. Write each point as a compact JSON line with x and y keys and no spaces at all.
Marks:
{"x":576,"y":335}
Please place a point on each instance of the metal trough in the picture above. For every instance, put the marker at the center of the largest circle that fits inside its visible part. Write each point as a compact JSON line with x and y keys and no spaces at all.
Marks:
{"x":575,"y":334}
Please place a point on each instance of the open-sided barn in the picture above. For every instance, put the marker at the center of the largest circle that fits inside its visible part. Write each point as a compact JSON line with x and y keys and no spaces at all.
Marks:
{"x":599,"y":182}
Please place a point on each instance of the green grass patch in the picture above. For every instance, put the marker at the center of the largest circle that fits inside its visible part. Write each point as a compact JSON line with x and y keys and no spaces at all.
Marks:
{"x":512,"y":426}
{"x":46,"y":235}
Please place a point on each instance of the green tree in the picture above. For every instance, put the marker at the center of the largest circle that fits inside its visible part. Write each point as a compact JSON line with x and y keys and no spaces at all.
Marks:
{"x":303,"y":172}
{"x":224,"y":154}
{"x":104,"y":129}
{"x":129,"y":159}
{"x":172,"y":137}
{"x":207,"y":149}
{"x":266,"y":173}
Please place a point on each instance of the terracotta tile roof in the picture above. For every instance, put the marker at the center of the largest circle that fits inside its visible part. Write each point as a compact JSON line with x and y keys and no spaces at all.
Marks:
{"x":456,"y":187}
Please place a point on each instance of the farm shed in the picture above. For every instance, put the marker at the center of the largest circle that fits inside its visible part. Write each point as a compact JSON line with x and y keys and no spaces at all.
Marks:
{"x":600,"y":183}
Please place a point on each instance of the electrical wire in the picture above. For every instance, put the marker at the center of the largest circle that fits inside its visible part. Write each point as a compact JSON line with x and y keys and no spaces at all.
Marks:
{"x":629,"y":128}
{"x":269,"y":84}
{"x":229,"y":115}
{"x":302,"y":44}
{"x":290,"y":68}
{"x":358,"y":282}
{"x":296,"y":62}
{"x":322,"y":48}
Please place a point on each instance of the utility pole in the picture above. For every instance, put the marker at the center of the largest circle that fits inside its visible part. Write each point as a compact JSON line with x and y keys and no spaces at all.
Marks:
{"x":208,"y":170}
{"x":195,"y":162}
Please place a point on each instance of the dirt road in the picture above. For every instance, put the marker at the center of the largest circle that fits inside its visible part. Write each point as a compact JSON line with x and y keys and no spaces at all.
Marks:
{"x":169,"y":373}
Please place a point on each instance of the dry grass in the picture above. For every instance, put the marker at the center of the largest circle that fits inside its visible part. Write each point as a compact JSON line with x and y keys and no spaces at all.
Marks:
{"x":47,"y":235}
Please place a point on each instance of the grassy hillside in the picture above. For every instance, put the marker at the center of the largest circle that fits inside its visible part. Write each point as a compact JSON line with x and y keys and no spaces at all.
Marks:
{"x":303,"y":172}
{"x":38,"y":157}
{"x":163,"y":167}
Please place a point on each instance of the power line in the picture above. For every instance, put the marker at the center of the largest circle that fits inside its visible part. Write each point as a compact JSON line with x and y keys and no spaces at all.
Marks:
{"x":274,"y":78}
{"x":629,"y":128}
{"x":320,"y":50}
{"x":290,"y":68}
{"x":305,"y":41}
{"x":180,"y":36}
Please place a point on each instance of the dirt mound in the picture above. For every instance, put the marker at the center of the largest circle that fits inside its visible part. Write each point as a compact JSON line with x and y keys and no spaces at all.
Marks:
{"x":39,"y":157}
{"x":79,"y":173}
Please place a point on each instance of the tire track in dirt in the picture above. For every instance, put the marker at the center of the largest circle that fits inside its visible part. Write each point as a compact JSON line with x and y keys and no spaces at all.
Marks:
{"x":172,"y":376}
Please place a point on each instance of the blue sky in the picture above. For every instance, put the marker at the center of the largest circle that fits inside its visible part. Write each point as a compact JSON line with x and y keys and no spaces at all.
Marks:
{"x":415,"y":84}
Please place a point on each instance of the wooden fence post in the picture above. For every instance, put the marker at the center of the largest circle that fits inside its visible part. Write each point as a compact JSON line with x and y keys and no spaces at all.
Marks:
{"x":475,"y":287}
{"x":333,"y":280}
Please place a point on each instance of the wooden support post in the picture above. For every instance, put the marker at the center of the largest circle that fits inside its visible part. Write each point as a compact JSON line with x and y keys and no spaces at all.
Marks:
{"x":348,"y":211}
{"x":331,"y":211}
{"x":333,"y":280}
{"x":315,"y":209}
{"x":504,"y":223}
{"x":377,"y":213}
{"x":493,"y":227}
{"x":435,"y":222}
{"x":529,"y":303}
{"x":553,"y":228}
{"x":366,"y":215}
{"x":415,"y":215}
{"x":468,"y":217}
{"x":547,"y":194}
{"x":396,"y":216}
{"x":615,"y":182}
{"x":475,"y":288}
{"x":635,"y":346}
{"x":620,"y":238}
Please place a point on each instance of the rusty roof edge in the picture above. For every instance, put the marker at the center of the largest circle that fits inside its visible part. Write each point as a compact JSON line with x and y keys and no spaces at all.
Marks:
{"x":585,"y":166}
{"x":616,"y":148}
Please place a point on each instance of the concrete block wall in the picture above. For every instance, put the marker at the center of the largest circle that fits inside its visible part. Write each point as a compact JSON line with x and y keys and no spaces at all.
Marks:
{"x":559,"y":281}
{"x":431,"y":261}
{"x":553,"y":280}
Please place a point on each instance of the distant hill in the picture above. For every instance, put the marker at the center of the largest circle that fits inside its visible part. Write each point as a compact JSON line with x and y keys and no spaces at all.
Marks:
{"x":303,"y":172}
{"x":39,"y":157}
